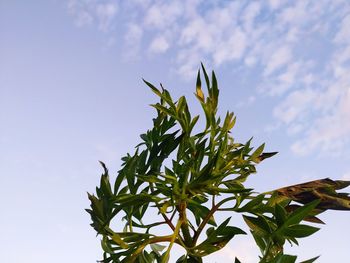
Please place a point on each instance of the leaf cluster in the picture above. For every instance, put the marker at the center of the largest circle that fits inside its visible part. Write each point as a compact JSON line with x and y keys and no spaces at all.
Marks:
{"x":188,"y":177}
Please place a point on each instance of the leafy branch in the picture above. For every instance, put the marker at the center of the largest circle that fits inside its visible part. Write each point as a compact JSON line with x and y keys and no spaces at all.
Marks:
{"x":176,"y":174}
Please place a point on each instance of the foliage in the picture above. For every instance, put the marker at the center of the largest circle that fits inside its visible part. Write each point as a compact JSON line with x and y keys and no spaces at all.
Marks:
{"x":189,"y":177}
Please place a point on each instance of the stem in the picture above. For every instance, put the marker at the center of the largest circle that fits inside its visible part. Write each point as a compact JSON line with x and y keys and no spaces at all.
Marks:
{"x":167,"y":220}
{"x":207,"y":218}
{"x":184,"y":226}
{"x":267,"y":252}
{"x":182,"y":213}
{"x":150,"y":241}
{"x":172,"y":216}
{"x":271,"y":251}
{"x":173,"y":237}
{"x":130,"y":225}
{"x":225,"y":209}
{"x":150,"y":225}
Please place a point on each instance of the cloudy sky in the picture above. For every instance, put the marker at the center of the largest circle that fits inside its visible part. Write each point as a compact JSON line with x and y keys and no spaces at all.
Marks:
{"x":71,"y":94}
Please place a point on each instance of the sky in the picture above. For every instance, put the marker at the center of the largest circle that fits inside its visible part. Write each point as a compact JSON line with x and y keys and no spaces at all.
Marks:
{"x":71,"y":93}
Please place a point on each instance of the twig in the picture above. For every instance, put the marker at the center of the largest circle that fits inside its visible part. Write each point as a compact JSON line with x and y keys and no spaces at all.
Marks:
{"x":207,"y":218}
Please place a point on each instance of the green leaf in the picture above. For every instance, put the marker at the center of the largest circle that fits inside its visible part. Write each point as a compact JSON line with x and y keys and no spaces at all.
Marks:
{"x":193,"y":123}
{"x":157,"y":248}
{"x":284,"y":259}
{"x":280,"y":215}
{"x":128,"y":200}
{"x":199,"y":91}
{"x":118,"y":181}
{"x":200,"y":212}
{"x":255,"y":202}
{"x":216,"y":239}
{"x":205,"y":76}
{"x":255,"y":156}
{"x":300,"y":231}
{"x":105,"y":246}
{"x":105,"y":184}
{"x":310,"y":260}
{"x":258,"y":224}
{"x":300,"y":213}
{"x":259,"y":241}
{"x":214,"y":91}
{"x":229,"y":122}
{"x":117,"y":239}
{"x":164,"y":109}
{"x":153,"y":88}
{"x":189,"y":259}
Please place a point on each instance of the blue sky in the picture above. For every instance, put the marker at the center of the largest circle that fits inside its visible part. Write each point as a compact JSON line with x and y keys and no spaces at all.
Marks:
{"x":71,"y":94}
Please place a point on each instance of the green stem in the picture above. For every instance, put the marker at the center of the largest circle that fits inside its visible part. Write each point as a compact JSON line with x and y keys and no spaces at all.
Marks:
{"x":184,"y":226}
{"x":130,"y":225}
{"x":150,"y":241}
{"x":267,"y":252}
{"x":173,"y":237}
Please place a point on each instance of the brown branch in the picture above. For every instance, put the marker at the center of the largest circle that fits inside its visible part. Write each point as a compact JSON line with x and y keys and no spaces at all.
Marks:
{"x":167,"y":220}
{"x":207,"y":218}
{"x":172,"y":216}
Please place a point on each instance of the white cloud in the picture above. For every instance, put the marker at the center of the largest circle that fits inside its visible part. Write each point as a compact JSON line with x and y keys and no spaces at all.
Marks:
{"x":321,"y":113}
{"x":231,"y":49}
{"x":189,"y":68}
{"x":106,"y":14}
{"x":275,"y":4}
{"x":288,"y":77}
{"x":195,"y":33}
{"x":133,"y":35}
{"x":294,"y":14}
{"x":83,"y":19}
{"x":245,"y":103}
{"x":250,"y":61}
{"x":161,"y":15}
{"x":343,"y":35}
{"x":79,"y":10}
{"x":296,"y":103}
{"x":308,"y":79}
{"x":301,"y":50}
{"x":250,"y":13}
{"x":159,"y":45}
{"x":132,"y":40}
{"x":329,"y":133}
{"x":278,"y":59}
{"x":295,"y":128}
{"x":342,"y":55}
{"x":293,"y":34}
{"x":85,"y":12}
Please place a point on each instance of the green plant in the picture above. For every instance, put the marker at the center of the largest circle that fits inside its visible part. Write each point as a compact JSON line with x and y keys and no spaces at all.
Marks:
{"x":189,"y":177}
